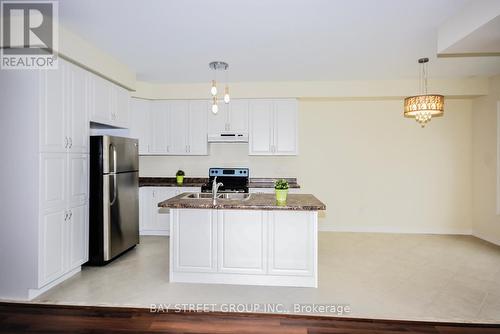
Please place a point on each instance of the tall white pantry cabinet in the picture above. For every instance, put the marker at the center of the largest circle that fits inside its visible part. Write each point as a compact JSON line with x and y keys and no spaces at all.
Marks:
{"x":44,"y":129}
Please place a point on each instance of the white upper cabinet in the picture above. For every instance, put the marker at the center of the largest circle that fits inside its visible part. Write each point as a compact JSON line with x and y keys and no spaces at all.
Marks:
{"x":178,"y":127}
{"x":53,"y":136}
{"x":109,"y":103}
{"x":238,"y":116}
{"x":273,"y":127}
{"x":285,"y":127}
{"x":197,"y":143}
{"x":218,"y":123}
{"x":181,"y":127}
{"x":232,"y":117}
{"x":64,"y":120}
{"x":101,"y":100}
{"x":77,"y":109}
{"x":140,"y":124}
{"x":261,"y":127}
{"x":158,"y":120}
{"x":121,"y":107}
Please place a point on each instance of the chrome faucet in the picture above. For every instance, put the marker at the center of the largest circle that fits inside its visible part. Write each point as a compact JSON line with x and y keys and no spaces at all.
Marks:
{"x":215,"y":188}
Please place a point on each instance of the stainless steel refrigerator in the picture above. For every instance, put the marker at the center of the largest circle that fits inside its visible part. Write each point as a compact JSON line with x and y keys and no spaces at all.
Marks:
{"x":114,"y":197}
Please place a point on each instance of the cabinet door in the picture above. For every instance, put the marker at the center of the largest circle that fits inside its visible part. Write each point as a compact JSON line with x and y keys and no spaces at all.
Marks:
{"x":292,"y":242}
{"x":285,"y":127}
{"x":53,"y":136}
{"x":102,"y":96}
{"x":77,"y":109}
{"x":145,"y":209}
{"x":122,"y":107}
{"x":219,"y":122}
{"x":139,"y":123}
{"x":194,"y":244}
{"x":77,"y":240}
{"x":159,"y":127}
{"x":261,"y":125}
{"x":178,"y":125}
{"x":238,"y":116}
{"x":78,"y":176}
{"x":198,"y":128}
{"x":51,"y":246}
{"x":162,"y":215}
{"x":53,"y":180}
{"x":242,"y":237}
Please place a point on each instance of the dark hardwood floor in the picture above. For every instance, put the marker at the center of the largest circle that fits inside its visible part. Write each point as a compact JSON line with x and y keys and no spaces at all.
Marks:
{"x":35,"y":318}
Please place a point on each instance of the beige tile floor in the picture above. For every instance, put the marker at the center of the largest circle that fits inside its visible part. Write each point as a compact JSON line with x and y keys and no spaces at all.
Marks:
{"x":391,"y":276}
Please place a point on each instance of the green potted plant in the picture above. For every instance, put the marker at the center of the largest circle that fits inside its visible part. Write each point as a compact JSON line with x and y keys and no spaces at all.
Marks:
{"x":180,"y":177}
{"x":281,"y":189}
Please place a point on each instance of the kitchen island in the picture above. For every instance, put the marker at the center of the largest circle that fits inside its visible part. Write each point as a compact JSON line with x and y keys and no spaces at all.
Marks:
{"x":244,"y":240}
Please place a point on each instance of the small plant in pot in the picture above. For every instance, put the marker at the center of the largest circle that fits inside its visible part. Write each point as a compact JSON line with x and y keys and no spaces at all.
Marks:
{"x":180,"y":177}
{"x":281,"y":189}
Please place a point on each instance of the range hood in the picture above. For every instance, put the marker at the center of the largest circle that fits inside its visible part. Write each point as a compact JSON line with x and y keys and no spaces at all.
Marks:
{"x":228,"y":137}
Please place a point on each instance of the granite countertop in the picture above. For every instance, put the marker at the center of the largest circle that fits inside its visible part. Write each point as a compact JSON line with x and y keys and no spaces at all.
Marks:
{"x":171,"y":181}
{"x":199,"y":181}
{"x":299,"y":202}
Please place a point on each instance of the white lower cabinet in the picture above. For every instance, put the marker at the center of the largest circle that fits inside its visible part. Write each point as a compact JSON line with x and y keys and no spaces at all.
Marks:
{"x":241,"y":239}
{"x":63,"y":244}
{"x":78,"y":227}
{"x":290,"y":249}
{"x":51,"y":246}
{"x":254,"y":247}
{"x":194,"y":241}
{"x":154,"y":220}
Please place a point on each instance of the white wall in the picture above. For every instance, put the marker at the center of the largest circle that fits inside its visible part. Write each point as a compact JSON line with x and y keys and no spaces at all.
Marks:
{"x":486,"y":222}
{"x":374,"y":169}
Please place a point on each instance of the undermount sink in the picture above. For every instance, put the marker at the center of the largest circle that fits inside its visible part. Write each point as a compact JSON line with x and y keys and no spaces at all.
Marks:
{"x":230,"y":196}
{"x":235,"y":196}
{"x":197,"y":196}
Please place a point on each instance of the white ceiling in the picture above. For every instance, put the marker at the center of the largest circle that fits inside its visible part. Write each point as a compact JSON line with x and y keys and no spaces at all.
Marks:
{"x":172,"y":41}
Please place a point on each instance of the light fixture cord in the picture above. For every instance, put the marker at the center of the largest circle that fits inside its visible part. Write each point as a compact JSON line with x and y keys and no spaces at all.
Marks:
{"x":425,"y":78}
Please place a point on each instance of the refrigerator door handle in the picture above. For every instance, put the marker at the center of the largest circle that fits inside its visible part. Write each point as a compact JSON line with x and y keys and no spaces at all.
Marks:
{"x":114,"y":175}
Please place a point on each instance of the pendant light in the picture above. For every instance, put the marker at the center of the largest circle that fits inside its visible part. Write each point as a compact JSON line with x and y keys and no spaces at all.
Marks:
{"x":218,"y":66}
{"x":425,"y":106}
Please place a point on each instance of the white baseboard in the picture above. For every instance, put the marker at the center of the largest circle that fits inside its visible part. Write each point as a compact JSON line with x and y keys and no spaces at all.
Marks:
{"x":154,"y":232}
{"x":33,"y":293}
{"x":244,"y":279}
{"x":363,"y":229}
{"x":486,"y":238}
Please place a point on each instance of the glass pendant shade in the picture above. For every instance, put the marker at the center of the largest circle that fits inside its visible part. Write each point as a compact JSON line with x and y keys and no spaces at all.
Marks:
{"x":213,"y":90}
{"x":227,"y":99}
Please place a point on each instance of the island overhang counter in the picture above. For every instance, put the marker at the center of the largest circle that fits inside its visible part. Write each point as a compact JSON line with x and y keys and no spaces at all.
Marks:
{"x":253,"y":241}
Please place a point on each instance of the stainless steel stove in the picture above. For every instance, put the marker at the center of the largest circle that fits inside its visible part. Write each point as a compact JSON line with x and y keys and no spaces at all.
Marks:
{"x":235,"y":180}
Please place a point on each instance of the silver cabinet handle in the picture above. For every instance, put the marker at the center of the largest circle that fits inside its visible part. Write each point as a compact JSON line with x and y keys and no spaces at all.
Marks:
{"x":65,"y":215}
{"x":65,"y":142}
{"x":70,"y":142}
{"x":70,"y":214}
{"x":168,"y":148}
